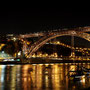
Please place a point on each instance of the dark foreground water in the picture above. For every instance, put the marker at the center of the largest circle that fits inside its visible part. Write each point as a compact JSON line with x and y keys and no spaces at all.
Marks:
{"x":39,"y":77}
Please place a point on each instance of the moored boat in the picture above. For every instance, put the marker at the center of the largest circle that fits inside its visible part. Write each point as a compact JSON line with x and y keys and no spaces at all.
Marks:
{"x":76,"y":73}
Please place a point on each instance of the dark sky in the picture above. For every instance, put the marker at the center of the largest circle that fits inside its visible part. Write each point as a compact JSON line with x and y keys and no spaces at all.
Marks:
{"x":34,"y":19}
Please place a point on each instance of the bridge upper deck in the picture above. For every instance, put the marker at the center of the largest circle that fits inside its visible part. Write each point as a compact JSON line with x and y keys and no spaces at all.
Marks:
{"x":70,"y":31}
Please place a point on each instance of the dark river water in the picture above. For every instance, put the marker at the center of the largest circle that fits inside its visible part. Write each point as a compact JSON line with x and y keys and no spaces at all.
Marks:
{"x":39,"y":77}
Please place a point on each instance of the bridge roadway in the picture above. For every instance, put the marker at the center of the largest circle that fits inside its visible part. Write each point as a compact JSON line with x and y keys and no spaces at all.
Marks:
{"x":39,"y":34}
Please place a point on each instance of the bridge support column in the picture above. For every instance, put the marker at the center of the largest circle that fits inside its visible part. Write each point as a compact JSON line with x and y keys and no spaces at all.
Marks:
{"x":72,"y":45}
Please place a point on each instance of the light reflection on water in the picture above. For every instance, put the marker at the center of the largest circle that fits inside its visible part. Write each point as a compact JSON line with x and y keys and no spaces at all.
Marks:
{"x":39,"y":77}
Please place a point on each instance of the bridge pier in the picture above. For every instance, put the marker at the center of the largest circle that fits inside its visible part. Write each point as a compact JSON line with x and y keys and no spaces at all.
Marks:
{"x":72,"y":45}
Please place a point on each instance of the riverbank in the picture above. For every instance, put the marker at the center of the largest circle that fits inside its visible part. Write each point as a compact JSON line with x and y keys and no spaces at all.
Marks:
{"x":44,"y":61}
{"x":39,"y":60}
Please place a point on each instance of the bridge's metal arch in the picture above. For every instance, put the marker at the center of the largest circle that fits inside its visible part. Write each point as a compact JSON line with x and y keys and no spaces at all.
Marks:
{"x":45,"y":39}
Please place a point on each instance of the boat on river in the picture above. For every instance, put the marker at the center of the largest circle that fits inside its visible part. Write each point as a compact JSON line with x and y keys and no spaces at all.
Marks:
{"x":76,"y":73}
{"x":86,"y":71}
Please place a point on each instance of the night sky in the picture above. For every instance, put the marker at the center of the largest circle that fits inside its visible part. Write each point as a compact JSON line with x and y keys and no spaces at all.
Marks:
{"x":35,"y":19}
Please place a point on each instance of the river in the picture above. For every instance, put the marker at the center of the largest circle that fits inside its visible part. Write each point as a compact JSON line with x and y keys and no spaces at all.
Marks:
{"x":39,"y":77}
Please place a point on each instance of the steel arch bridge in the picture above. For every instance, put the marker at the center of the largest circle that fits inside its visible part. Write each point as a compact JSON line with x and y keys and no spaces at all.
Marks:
{"x":78,"y":32}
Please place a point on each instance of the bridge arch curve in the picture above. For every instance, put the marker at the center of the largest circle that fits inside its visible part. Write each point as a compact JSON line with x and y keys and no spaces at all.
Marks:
{"x":45,"y":39}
